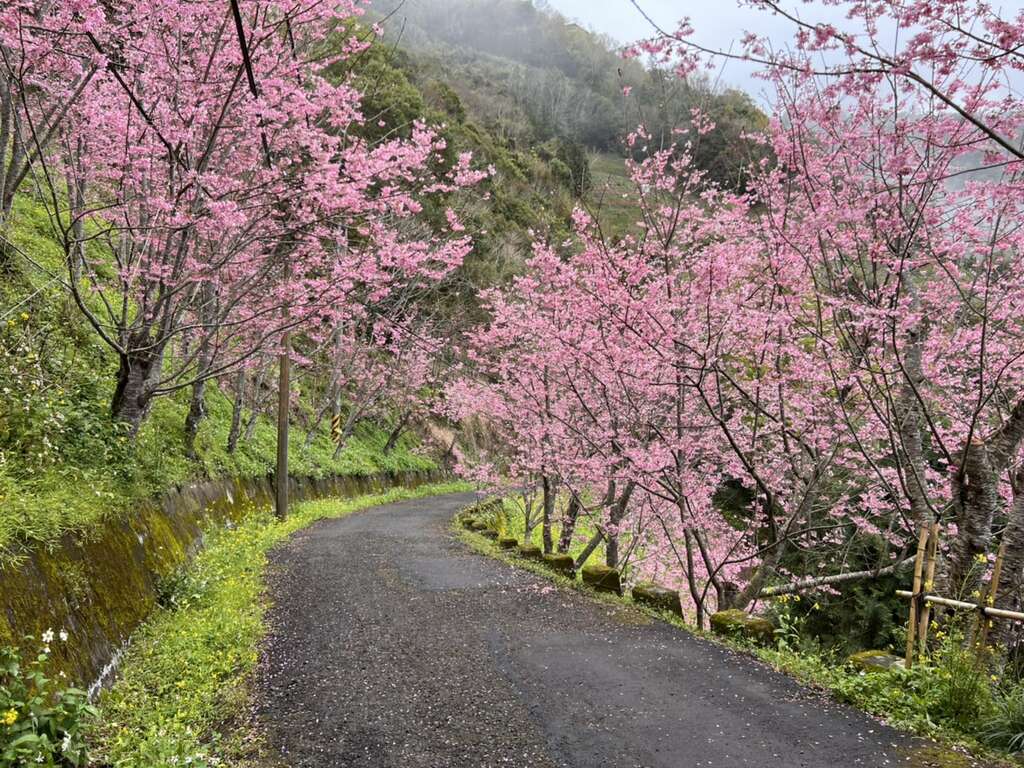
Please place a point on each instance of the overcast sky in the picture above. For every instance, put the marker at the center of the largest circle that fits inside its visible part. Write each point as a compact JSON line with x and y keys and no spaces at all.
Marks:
{"x":717,"y":23}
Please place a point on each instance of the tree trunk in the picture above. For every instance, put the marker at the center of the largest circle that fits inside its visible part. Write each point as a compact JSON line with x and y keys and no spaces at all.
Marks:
{"x":569,"y":524}
{"x":546,"y":480}
{"x":10,"y":135}
{"x":448,"y":460}
{"x":691,"y":581}
{"x":588,"y":550}
{"x":196,"y":414}
{"x":1012,"y":582}
{"x":716,"y":581}
{"x":257,"y":388}
{"x":616,"y":515}
{"x":549,"y":508}
{"x":529,"y":521}
{"x":977,"y":501}
{"x":768,"y":566}
{"x":133,"y":394}
{"x":396,"y":433}
{"x":236,"y":412}
{"x":910,"y":425}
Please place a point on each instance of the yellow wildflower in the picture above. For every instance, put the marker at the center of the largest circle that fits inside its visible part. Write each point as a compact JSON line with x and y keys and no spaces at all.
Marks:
{"x":10,"y":717}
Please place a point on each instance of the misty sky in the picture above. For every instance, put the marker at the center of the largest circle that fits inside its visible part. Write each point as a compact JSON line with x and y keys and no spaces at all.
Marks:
{"x":717,"y":24}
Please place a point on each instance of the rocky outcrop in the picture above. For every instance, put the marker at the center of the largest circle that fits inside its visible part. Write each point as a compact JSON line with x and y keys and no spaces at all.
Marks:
{"x":874,"y":661}
{"x":562,"y":563}
{"x":602,"y":578}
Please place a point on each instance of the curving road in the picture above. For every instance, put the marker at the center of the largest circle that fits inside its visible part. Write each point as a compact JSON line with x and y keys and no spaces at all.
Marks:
{"x":394,"y":646}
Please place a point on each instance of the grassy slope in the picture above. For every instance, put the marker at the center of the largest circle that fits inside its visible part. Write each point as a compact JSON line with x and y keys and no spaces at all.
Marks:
{"x":64,"y":465}
{"x":612,"y":196}
{"x":515,"y":527}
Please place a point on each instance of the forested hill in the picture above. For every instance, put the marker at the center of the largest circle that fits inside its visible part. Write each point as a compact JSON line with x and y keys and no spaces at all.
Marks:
{"x":529,"y":75}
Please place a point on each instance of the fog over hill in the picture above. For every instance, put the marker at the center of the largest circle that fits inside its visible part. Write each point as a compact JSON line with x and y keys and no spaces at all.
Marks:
{"x":529,"y":74}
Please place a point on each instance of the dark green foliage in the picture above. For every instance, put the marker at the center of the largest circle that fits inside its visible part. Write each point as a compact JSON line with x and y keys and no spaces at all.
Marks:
{"x":569,"y":163}
{"x":1005,"y":728}
{"x":863,"y":615}
{"x":723,"y":153}
{"x":41,"y":720}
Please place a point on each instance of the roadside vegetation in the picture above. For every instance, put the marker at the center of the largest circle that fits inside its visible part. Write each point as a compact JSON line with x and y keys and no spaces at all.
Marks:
{"x":948,"y":696}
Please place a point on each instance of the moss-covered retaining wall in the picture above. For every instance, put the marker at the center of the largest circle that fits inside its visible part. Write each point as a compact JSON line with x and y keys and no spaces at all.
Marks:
{"x":100,"y":586}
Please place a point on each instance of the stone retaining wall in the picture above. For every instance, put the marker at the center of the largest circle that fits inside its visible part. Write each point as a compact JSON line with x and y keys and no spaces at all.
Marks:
{"x":101,"y":585}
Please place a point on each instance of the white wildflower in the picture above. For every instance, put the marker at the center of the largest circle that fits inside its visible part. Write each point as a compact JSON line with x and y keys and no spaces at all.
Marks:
{"x":48,"y":636}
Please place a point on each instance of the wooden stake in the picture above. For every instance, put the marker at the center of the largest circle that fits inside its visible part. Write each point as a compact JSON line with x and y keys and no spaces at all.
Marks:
{"x":984,"y":622}
{"x":922,"y":542}
{"x":929,"y":579}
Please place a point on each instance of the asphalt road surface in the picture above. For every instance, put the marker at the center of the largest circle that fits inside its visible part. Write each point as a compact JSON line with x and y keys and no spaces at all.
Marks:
{"x":392,"y":645}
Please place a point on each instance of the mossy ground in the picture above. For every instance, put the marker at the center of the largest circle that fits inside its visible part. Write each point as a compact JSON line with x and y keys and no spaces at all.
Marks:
{"x":183,"y":688}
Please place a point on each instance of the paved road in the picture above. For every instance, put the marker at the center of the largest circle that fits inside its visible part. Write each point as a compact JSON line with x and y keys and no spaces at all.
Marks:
{"x":394,"y":646}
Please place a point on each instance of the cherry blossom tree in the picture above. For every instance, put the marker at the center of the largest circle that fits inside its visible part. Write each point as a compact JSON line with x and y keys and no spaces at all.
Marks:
{"x":47,"y":64}
{"x":231,"y":218}
{"x":901,"y":136}
{"x":839,"y":347}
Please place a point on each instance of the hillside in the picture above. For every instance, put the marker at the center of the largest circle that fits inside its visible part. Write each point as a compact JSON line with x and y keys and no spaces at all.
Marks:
{"x":66,"y":464}
{"x":529,"y":75}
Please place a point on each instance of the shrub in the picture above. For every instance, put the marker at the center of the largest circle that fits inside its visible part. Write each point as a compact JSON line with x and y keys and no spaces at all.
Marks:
{"x":962,"y":692}
{"x":41,"y":723}
{"x":1005,"y":728}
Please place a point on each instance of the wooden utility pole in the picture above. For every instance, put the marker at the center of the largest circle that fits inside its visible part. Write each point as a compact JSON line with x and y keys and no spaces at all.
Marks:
{"x":283,"y":401}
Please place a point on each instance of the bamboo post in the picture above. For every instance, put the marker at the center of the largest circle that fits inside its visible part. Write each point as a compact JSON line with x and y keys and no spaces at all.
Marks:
{"x":961,"y":605}
{"x":984,"y":622}
{"x":929,"y":582}
{"x":915,"y":599}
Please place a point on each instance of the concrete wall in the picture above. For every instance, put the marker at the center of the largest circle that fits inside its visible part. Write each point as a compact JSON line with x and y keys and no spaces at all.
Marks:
{"x":100,"y":586}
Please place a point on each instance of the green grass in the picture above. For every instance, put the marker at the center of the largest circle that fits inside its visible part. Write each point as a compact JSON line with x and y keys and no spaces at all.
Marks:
{"x":585,"y":528}
{"x":65,"y":466}
{"x":183,"y":689}
{"x":612,"y":196}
